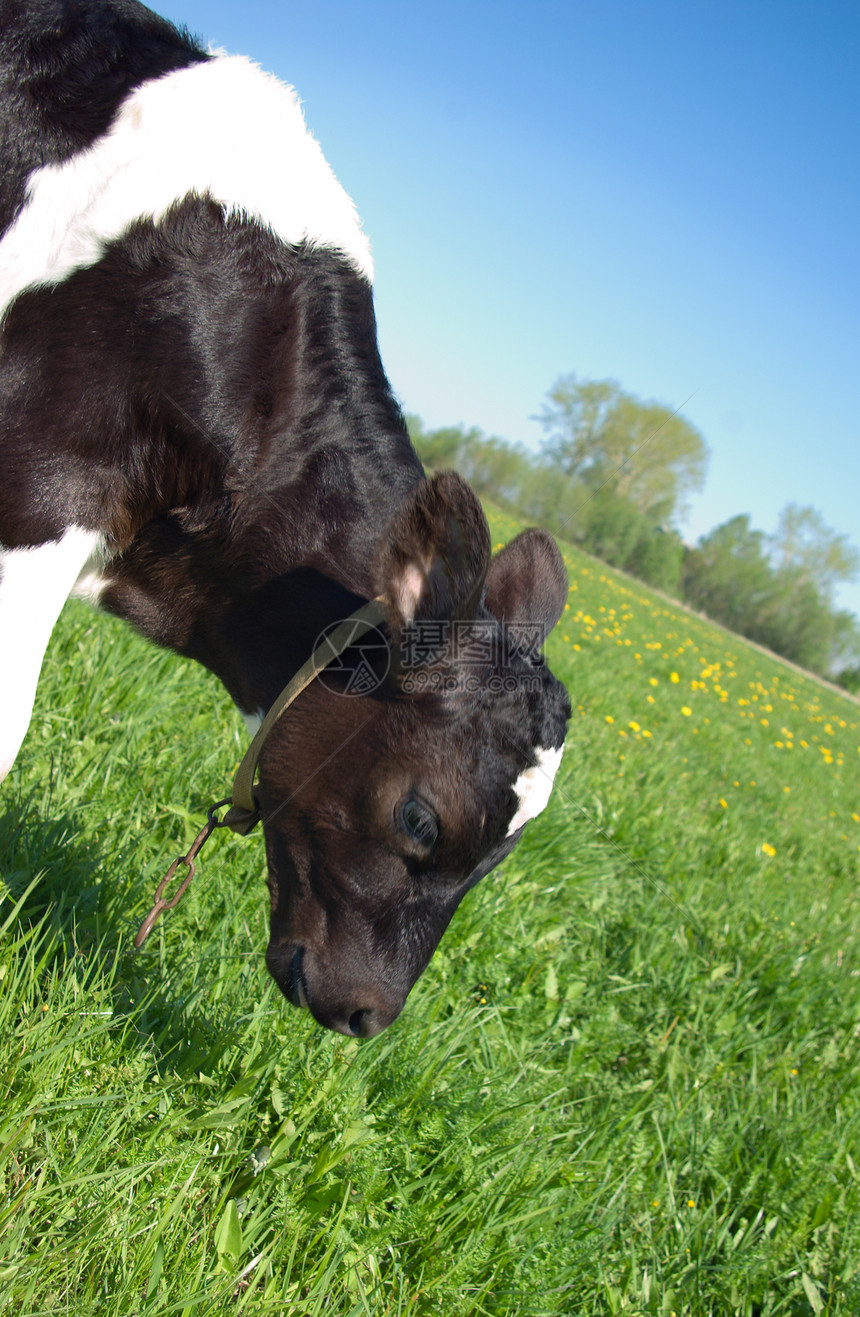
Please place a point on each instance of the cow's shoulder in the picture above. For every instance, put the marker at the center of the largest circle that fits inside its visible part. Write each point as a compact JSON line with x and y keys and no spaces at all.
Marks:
{"x":65,"y":71}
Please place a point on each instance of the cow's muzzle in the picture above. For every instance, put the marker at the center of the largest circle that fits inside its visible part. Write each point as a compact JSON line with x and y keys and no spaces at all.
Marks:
{"x":360,"y":1010}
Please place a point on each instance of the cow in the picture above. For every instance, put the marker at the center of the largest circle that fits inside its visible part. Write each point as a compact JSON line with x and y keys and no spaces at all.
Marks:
{"x":198,"y":436}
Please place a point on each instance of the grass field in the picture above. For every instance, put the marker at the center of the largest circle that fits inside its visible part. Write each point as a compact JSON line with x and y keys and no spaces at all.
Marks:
{"x":628,"y":1081}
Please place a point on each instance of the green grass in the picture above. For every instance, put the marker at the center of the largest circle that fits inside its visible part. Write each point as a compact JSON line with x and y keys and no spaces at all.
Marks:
{"x":628,"y":1081}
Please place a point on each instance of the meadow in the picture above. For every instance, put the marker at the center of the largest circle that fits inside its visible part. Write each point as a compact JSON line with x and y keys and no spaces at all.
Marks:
{"x":627,"y":1083}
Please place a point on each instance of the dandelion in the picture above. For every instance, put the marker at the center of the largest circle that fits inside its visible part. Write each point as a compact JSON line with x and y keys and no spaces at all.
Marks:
{"x":674,"y":678}
{"x":767,"y":849}
{"x":724,"y":803}
{"x":686,"y":710}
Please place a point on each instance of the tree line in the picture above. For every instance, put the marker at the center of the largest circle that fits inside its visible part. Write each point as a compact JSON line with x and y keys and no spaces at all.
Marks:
{"x":613,"y":474}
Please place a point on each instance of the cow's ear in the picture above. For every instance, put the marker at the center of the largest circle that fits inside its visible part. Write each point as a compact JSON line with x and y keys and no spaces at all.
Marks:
{"x":527,"y":581}
{"x":434,"y":555}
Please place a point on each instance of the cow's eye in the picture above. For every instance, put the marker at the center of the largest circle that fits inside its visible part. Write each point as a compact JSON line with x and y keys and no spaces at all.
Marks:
{"x":420,"y":822}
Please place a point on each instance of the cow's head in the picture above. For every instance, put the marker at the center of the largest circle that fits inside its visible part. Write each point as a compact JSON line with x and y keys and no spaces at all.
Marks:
{"x":381,"y":811}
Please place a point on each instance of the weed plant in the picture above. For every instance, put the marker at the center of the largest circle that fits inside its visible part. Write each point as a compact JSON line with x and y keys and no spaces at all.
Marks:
{"x":628,"y":1081}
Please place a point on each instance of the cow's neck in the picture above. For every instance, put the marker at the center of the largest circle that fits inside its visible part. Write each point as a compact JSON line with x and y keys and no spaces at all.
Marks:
{"x":258,"y":639}
{"x":247,"y":588}
{"x":250,"y":611}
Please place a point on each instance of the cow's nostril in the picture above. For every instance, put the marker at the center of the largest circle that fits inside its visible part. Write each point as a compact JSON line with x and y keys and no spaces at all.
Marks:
{"x":358,"y":1023}
{"x":298,"y":995}
{"x":370,"y":1021}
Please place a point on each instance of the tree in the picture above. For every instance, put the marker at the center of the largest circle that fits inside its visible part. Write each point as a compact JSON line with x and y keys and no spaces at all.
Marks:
{"x":850,"y":679}
{"x":737,"y":576}
{"x":805,"y":544}
{"x":656,"y":558}
{"x":609,"y":527}
{"x":728,"y":575}
{"x":643,"y":451}
{"x":438,"y":449}
{"x":546,"y":497}
{"x":494,"y":467}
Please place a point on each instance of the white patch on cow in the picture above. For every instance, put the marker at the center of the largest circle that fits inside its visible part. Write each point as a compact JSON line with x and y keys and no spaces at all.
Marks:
{"x":533,"y":787}
{"x":253,"y":721}
{"x":92,"y":583}
{"x":34,"y":585}
{"x":408,"y":590}
{"x":223,"y":128}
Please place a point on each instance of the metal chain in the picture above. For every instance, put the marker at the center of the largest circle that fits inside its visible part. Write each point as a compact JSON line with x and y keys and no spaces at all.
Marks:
{"x":188,"y":859}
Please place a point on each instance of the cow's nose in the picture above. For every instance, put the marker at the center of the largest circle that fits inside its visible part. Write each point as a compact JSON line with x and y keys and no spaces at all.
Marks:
{"x":361,"y":1022}
{"x":365,"y":1023}
{"x":359,"y":1010}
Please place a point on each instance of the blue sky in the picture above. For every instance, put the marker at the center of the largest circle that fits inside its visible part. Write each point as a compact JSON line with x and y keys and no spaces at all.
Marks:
{"x":665,"y":194}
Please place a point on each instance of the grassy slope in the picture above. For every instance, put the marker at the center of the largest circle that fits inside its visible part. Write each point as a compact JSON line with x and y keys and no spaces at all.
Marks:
{"x":627,"y":1082}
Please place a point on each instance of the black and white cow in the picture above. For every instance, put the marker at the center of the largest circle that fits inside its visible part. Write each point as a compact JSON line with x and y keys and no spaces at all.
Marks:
{"x":196,"y":434}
